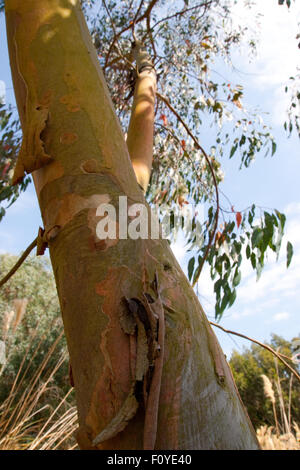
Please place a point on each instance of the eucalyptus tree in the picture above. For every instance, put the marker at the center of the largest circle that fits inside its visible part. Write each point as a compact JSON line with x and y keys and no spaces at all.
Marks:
{"x":147,"y":368}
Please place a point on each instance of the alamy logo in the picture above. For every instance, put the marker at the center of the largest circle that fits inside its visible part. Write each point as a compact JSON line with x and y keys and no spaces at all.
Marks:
{"x":140,"y":221}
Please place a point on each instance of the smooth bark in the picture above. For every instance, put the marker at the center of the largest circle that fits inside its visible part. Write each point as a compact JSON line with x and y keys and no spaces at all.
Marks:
{"x":112,"y":293}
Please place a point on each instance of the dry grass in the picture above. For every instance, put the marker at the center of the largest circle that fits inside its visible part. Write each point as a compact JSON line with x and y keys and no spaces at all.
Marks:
{"x":25,"y":424}
{"x":269,"y":437}
{"x":269,"y":440}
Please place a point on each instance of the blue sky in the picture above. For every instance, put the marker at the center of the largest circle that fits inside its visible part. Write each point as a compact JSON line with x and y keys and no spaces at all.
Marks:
{"x":271,"y":305}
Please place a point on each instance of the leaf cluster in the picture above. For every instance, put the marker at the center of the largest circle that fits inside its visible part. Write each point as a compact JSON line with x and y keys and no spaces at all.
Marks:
{"x":10,"y":139}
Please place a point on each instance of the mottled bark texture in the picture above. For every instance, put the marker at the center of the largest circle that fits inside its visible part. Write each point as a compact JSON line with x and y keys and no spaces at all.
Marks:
{"x":116,"y":296}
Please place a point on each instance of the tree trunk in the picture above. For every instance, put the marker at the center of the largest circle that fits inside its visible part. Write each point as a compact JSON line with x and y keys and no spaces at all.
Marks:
{"x":147,"y":367}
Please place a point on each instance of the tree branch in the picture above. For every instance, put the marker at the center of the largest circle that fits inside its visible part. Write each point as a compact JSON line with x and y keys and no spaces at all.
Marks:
{"x":140,"y":131}
{"x":135,"y":21}
{"x":182,"y":12}
{"x":268,"y":348}
{"x":198,"y":146}
{"x":116,"y":39}
{"x":19,"y":262}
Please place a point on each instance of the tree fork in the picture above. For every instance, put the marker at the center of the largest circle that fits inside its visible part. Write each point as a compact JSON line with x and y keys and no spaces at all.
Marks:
{"x":109,"y":290}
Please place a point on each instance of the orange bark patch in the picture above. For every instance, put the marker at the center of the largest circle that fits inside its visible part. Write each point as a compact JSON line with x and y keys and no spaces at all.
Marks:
{"x":68,"y":138}
{"x":97,"y":245}
{"x":61,"y":211}
{"x":71,"y":103}
{"x":46,"y":98}
{"x":114,"y":384}
{"x":91,"y":166}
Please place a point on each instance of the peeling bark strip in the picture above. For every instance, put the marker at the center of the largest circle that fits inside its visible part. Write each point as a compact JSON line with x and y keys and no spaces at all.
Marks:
{"x":152,"y":406}
{"x":32,"y":155}
{"x":149,"y":354}
{"x":120,"y":421}
{"x":117,"y":365}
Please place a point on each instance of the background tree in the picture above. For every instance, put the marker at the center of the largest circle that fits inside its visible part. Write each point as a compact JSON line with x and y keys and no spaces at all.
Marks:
{"x":30,"y":334}
{"x":250,"y":365}
{"x":37,"y":403}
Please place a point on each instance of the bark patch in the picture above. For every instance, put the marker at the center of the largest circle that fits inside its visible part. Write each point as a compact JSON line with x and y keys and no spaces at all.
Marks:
{"x":91,"y":166}
{"x":61,"y":211}
{"x":68,"y":138}
{"x":71,"y":103}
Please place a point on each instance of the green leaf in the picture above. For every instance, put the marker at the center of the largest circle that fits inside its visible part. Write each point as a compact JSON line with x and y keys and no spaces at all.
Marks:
{"x":259,"y":267}
{"x":5,"y":193}
{"x":232,"y":151}
{"x":257,"y":236}
{"x":196,"y":274}
{"x":281,"y":217}
{"x":289,"y":253}
{"x":2,"y":213}
{"x":237,"y":278}
{"x":240,"y":259}
{"x":224,"y":303}
{"x":219,"y":265}
{"x":217,"y":287}
{"x":274,"y":146}
{"x":237,"y":246}
{"x":191,"y":267}
{"x":243,"y":140}
{"x":232,"y":298}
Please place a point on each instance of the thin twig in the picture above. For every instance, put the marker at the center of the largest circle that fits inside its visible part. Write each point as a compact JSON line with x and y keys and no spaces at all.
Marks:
{"x":268,"y":348}
{"x":182,"y":12}
{"x":149,"y":31}
{"x":172,"y":134}
{"x":116,"y":39}
{"x":137,"y":12}
{"x":135,"y":21}
{"x":19,"y":262}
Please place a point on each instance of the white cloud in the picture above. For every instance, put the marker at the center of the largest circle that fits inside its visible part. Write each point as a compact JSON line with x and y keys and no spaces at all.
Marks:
{"x":281,"y":316}
{"x":277,"y":51}
{"x":293,"y":208}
